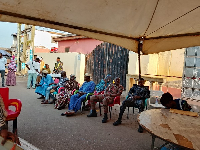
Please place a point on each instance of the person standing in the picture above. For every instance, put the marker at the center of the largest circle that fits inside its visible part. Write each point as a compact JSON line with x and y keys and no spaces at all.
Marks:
{"x":33,"y":70}
{"x":3,"y":62}
{"x":58,"y":66}
{"x":12,"y":68}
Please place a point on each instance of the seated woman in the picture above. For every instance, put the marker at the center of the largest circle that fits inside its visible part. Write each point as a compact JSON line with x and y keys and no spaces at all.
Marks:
{"x":167,"y":101}
{"x":64,"y":96}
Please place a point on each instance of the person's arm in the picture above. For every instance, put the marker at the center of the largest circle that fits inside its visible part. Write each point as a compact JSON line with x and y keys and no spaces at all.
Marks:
{"x":27,"y":65}
{"x":131,"y":91}
{"x":145,"y":93}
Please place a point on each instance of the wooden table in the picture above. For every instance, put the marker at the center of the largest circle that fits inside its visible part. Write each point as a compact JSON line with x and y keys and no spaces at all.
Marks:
{"x":180,"y":130}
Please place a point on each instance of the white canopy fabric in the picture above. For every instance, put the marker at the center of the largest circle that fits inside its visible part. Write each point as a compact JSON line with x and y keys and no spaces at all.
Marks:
{"x":164,"y":24}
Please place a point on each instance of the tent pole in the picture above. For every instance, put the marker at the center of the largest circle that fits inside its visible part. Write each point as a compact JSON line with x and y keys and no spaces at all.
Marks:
{"x":140,"y":44}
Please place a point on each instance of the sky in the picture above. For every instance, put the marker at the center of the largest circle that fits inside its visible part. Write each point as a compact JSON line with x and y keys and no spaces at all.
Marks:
{"x":6,"y":29}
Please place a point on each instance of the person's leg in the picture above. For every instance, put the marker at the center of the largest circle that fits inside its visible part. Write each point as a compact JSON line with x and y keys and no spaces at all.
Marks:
{"x":34,"y":80}
{"x":105,"y":106}
{"x":78,"y":103}
{"x":72,"y":101}
{"x":93,"y":100}
{"x":2,"y":76}
{"x":128,"y":102}
{"x":29,"y":80}
{"x":47,"y":94}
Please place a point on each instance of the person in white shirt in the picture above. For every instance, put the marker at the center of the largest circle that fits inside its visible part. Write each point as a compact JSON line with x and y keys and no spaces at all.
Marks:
{"x":3,"y":62}
{"x":33,"y":70}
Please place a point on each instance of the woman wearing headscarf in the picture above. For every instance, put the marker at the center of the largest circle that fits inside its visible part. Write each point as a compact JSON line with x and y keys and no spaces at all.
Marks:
{"x":64,"y":96}
{"x":11,"y":77}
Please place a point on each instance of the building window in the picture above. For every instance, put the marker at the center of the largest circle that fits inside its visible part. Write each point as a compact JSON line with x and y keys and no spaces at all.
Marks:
{"x":66,"y":49}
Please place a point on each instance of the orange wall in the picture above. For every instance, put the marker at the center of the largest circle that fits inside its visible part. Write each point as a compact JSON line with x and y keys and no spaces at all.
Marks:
{"x":41,"y":50}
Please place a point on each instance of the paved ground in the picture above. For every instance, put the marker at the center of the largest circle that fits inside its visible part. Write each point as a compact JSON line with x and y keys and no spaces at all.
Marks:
{"x":42,"y":126}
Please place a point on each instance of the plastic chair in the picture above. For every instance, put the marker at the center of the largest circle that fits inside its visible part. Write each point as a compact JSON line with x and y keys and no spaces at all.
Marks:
{"x":145,"y":103}
{"x":87,"y":97}
{"x":116,"y":101}
{"x":12,"y":115}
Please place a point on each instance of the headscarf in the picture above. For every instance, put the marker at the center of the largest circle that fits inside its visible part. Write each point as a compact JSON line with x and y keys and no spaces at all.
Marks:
{"x":12,"y":64}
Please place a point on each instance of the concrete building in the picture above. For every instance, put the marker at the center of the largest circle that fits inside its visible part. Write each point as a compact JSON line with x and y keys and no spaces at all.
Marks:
{"x":76,"y":43}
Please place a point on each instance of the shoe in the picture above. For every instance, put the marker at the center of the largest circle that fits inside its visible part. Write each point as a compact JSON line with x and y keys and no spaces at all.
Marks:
{"x":45,"y":102}
{"x":140,"y":129}
{"x":28,"y":88}
{"x":42,"y":97}
{"x":63,"y":114}
{"x":70,"y":113}
{"x":92,"y":114}
{"x":116,"y":123}
{"x":105,"y":118}
{"x":51,"y":102}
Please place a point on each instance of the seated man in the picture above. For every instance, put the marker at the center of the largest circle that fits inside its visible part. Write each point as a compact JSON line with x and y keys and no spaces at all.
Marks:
{"x":76,"y":100}
{"x":113,"y":90}
{"x":136,"y":97}
{"x":64,"y":96}
{"x":167,"y":101}
{"x":100,"y":88}
{"x":61,"y":83}
{"x":44,"y":84}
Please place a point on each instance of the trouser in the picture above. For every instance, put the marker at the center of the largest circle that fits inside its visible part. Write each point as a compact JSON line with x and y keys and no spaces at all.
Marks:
{"x":2,"y":76}
{"x":75,"y":102}
{"x":48,"y":92}
{"x":30,"y":77}
{"x":130,"y":102}
{"x":100,"y":98}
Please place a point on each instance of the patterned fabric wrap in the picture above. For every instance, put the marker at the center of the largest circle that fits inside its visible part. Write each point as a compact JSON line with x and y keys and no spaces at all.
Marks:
{"x":3,"y":113}
{"x":12,"y":65}
{"x":64,"y":96}
{"x":101,"y":86}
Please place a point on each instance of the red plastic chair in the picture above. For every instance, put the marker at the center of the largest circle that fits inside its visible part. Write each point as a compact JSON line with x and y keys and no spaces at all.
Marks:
{"x":116,"y":101}
{"x":12,"y":115}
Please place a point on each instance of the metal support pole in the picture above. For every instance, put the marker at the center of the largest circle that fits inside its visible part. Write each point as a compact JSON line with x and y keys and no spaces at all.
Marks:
{"x":140,"y":44}
{"x":18,"y":45}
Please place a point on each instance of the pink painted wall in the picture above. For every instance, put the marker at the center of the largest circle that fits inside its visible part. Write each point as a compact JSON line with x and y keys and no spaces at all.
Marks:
{"x":83,"y":46}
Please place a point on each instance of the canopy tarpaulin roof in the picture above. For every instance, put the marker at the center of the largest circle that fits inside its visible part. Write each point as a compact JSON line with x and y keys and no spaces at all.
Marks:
{"x":164,"y":24}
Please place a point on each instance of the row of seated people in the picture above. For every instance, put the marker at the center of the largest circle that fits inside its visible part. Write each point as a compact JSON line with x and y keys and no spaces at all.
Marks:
{"x":108,"y":91}
{"x":105,"y":93}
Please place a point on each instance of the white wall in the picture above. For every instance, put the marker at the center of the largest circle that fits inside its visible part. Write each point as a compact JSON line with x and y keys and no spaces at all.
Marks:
{"x":73,"y":63}
{"x":43,"y":38}
{"x":165,"y":63}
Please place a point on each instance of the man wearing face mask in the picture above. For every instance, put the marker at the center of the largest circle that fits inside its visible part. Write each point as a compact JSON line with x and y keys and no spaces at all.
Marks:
{"x":136,"y":97}
{"x":44,"y":84}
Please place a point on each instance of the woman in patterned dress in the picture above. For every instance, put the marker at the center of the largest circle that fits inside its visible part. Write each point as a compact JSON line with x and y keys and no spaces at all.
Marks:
{"x":64,"y":96}
{"x":11,"y":77}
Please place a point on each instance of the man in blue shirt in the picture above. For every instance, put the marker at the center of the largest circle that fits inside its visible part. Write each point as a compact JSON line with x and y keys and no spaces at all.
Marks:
{"x":44,"y":84}
{"x":76,"y":100}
